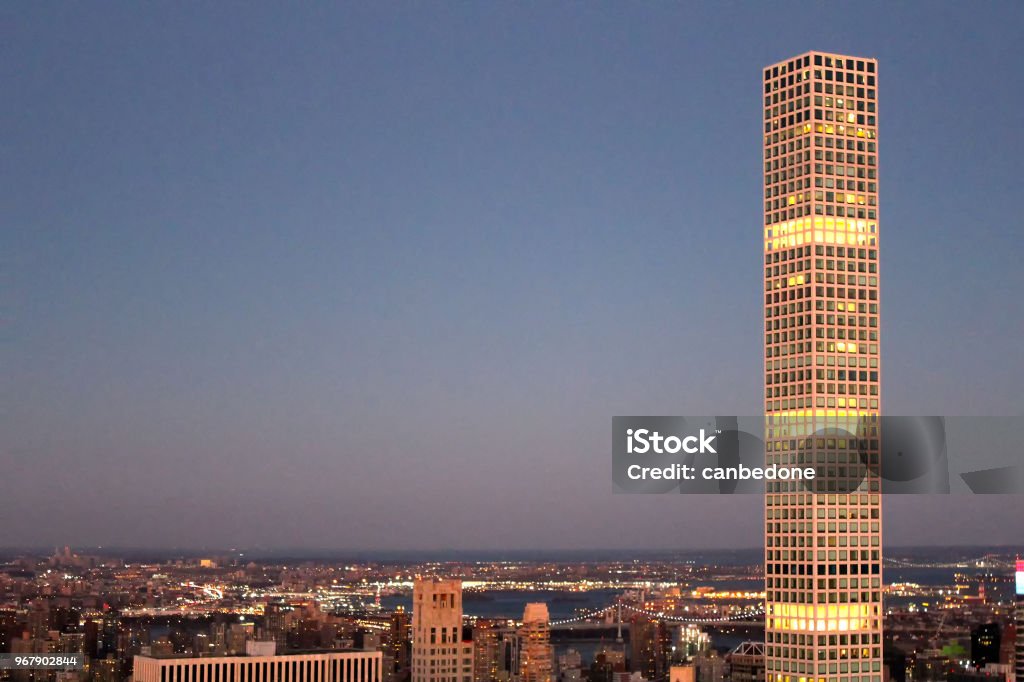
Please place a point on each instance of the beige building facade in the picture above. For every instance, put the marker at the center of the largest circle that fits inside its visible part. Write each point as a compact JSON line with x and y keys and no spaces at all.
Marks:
{"x":822,"y":369}
{"x":439,"y":653}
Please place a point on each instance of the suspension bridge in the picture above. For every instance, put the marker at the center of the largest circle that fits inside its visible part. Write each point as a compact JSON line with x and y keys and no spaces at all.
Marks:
{"x":995,"y":561}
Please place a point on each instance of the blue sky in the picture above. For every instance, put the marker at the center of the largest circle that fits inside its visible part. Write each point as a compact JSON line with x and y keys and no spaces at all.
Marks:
{"x":378,"y":275}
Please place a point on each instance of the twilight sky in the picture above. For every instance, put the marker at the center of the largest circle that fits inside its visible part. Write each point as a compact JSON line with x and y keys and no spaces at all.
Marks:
{"x":378,"y":275}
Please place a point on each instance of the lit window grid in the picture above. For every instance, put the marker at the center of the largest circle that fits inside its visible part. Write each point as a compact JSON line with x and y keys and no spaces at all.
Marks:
{"x":804,"y":114}
{"x":812,"y":317}
{"x":833,"y":532}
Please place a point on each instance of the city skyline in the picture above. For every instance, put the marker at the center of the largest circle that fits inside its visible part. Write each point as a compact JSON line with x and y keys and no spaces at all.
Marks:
{"x":316,"y":280}
{"x":582,"y":620}
{"x":318,"y":316}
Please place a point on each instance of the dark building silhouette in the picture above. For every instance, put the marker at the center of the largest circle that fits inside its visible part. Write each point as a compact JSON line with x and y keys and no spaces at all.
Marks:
{"x":9,"y":629}
{"x":985,"y":641}
{"x":895,"y":661}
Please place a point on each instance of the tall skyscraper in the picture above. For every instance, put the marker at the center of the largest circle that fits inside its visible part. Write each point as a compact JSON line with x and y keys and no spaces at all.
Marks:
{"x":536,"y":658}
{"x":398,"y":645}
{"x":650,"y":643}
{"x":823,"y":541}
{"x":439,"y":653}
{"x":487,"y":650}
{"x":643,"y":645}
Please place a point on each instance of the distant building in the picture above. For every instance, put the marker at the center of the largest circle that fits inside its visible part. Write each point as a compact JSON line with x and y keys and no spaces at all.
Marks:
{"x":682,"y":673}
{"x":611,"y":655}
{"x":9,"y":629}
{"x":990,"y":673}
{"x":710,"y":667}
{"x":368,"y":640}
{"x":535,"y":653}
{"x":932,"y":664}
{"x":627,"y":677}
{"x":161,"y":648}
{"x":239,"y":635}
{"x":439,"y":653}
{"x":304,"y":634}
{"x":487,"y":650}
{"x":690,"y":640}
{"x":274,"y":622}
{"x":569,"y":666}
{"x":105,"y":670}
{"x":1019,"y":665}
{"x":399,"y":645}
{"x":608,"y":661}
{"x":745,"y":663}
{"x":261,"y":648}
{"x":894,"y":661}
{"x":1008,"y":645}
{"x":643,"y":646}
{"x":985,"y":644}
{"x":347,"y":666}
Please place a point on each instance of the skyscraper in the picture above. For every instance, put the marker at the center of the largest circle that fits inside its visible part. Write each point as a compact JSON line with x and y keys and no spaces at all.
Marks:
{"x":487,"y":650}
{"x":536,"y":657}
{"x":438,"y":652}
{"x":643,"y":645}
{"x":823,"y":543}
{"x":650,"y":643}
{"x":398,"y":644}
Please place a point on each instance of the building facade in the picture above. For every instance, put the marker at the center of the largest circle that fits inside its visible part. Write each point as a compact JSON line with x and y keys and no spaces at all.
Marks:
{"x":488,"y":650}
{"x":745,"y":663}
{"x":341,"y":666}
{"x":536,"y":657}
{"x":1019,"y":621}
{"x":823,"y":541}
{"x":986,"y":642}
{"x":650,"y":643}
{"x":439,"y":653}
{"x":398,"y":645}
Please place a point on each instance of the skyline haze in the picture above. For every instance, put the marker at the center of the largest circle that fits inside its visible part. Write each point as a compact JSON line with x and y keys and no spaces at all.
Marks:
{"x":320,"y":276}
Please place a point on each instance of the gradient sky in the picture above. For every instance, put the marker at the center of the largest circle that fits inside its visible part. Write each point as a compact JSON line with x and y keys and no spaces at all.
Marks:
{"x":378,"y":275}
